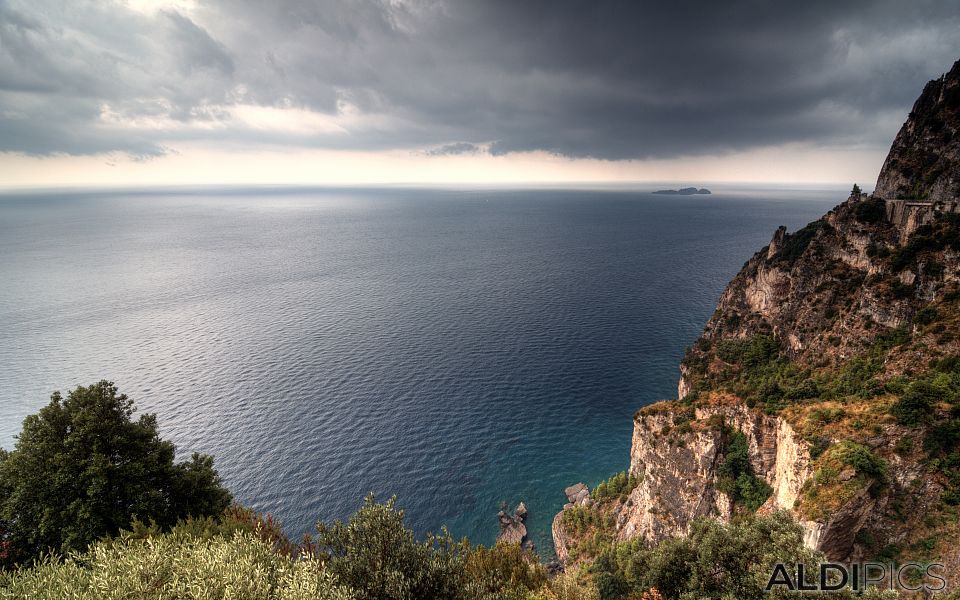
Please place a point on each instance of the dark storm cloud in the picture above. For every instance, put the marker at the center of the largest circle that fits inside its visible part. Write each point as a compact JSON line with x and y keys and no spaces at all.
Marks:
{"x":610,"y":80}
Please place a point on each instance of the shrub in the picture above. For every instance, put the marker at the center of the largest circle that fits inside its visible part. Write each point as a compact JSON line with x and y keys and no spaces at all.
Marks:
{"x":504,"y":569}
{"x":862,"y":460}
{"x":926,"y":315}
{"x":873,"y":210}
{"x":619,"y":485}
{"x":830,"y":487}
{"x":175,"y":566}
{"x":735,"y":476}
{"x":753,"y":352}
{"x":795,"y":244}
{"x":380,"y":559}
{"x":716,"y":560}
{"x":916,"y":405}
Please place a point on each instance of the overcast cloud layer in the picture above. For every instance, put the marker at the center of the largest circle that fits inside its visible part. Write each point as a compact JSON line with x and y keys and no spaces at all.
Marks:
{"x":611,"y":80}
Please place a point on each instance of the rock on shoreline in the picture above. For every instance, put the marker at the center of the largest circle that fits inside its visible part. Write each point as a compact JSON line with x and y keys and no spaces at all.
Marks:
{"x":512,"y":527}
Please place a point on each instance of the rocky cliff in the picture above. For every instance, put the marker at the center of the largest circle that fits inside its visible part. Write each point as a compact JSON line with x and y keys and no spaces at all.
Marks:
{"x":924,"y":161}
{"x":827,"y":381}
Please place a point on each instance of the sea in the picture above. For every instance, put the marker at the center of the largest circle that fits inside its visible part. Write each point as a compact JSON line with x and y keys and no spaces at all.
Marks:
{"x":460,"y":349}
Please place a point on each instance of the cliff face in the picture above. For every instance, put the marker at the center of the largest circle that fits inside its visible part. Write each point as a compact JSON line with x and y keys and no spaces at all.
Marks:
{"x":925,"y":156}
{"x":678,"y":467}
{"x":798,"y":394}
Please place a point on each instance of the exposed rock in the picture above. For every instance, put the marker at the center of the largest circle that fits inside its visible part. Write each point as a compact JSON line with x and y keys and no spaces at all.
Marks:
{"x":561,"y":541}
{"x":677,"y":476}
{"x":582,"y":496}
{"x":521,"y":511}
{"x":554,"y":567}
{"x":776,"y":244}
{"x":924,"y":160}
{"x":574,"y":490}
{"x":809,"y":304}
{"x":512,"y":527}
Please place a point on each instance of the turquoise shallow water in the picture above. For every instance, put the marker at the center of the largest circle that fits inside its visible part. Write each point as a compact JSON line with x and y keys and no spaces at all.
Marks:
{"x":460,"y":349}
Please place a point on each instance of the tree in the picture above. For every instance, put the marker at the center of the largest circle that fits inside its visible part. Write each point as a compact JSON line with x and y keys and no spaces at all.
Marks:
{"x":855,"y":192}
{"x":380,"y":559}
{"x":82,"y":469}
{"x":917,"y":404}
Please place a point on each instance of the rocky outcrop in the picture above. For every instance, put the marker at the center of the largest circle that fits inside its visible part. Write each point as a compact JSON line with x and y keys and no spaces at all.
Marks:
{"x":577,"y":494}
{"x":924,"y":160}
{"x":810,"y":345}
{"x":677,"y":466}
{"x":561,"y":539}
{"x":513,"y":529}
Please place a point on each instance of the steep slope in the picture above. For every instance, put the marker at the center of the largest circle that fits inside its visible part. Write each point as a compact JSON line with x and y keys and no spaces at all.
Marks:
{"x":827,"y":382}
{"x":924,"y":160}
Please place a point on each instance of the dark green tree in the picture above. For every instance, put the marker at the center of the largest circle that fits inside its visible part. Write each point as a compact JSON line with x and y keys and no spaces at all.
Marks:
{"x":855,"y":191}
{"x":83,"y":468}
{"x":917,"y":404}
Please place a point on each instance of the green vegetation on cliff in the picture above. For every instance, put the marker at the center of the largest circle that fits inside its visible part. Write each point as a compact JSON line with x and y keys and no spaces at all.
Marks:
{"x":735,"y":476}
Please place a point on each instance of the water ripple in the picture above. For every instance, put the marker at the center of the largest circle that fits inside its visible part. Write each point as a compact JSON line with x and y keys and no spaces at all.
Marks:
{"x":458,"y":350}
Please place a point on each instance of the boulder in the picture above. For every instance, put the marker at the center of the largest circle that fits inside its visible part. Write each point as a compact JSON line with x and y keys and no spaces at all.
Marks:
{"x":521,"y":512}
{"x":512,"y":529}
{"x":514,"y":533}
{"x":582,"y":496}
{"x":572,"y":491}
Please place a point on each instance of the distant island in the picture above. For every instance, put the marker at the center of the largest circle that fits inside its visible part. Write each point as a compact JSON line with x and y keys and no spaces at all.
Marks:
{"x":688,"y":191}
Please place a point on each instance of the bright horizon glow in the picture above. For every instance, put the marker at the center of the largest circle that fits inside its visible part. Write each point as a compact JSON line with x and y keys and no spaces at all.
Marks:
{"x":197,"y":164}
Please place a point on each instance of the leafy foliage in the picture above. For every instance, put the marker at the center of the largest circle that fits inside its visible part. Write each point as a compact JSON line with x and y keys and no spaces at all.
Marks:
{"x":751,"y":353}
{"x":618,"y":486}
{"x":714,"y":561}
{"x":82,"y":469}
{"x":175,"y":566}
{"x":842,"y":471}
{"x":371,"y":556}
{"x":933,"y":237}
{"x":375,"y":555}
{"x":735,"y":476}
{"x":916,"y":406}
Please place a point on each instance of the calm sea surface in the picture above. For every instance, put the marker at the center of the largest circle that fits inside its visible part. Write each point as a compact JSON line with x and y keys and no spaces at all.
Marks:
{"x":459,"y":349}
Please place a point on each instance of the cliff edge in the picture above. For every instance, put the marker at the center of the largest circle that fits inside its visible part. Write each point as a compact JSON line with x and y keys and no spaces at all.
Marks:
{"x":827,"y":381}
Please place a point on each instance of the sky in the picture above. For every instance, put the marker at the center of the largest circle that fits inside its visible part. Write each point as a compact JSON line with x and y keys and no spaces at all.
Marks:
{"x":161,"y":92}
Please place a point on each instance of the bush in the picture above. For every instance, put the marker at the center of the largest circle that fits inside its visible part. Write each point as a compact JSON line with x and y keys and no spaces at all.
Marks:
{"x":873,"y":210}
{"x":714,"y":561}
{"x":735,"y":476}
{"x":174,"y":566}
{"x":753,"y":352}
{"x":926,"y":315}
{"x":378,"y":558}
{"x":82,"y":469}
{"x":917,"y":404}
{"x":504,"y":569}
{"x":862,"y":460}
{"x":795,"y":244}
